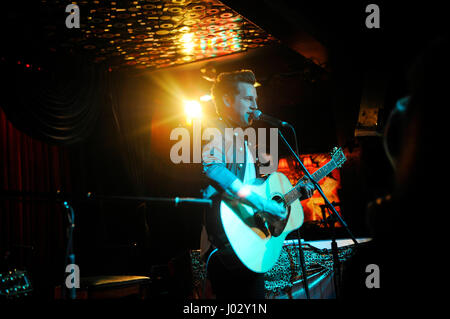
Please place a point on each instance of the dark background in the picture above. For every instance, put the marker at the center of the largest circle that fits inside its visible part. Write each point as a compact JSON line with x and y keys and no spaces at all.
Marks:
{"x":112,"y":139}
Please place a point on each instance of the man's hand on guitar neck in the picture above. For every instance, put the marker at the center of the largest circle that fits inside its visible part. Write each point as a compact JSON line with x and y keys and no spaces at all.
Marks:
{"x":259,"y":203}
{"x":306,"y":188}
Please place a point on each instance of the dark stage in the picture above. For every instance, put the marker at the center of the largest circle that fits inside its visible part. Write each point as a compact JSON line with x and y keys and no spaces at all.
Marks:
{"x":93,"y":91}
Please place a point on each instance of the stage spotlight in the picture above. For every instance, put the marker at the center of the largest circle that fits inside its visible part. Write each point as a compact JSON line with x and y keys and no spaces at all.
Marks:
{"x":205,"y":98}
{"x":192,"y":109}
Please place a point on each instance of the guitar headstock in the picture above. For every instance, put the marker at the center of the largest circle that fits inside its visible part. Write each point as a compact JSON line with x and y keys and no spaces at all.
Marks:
{"x":337,"y":155}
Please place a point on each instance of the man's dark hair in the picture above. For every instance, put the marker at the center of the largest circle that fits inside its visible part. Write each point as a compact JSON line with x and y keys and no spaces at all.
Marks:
{"x":227,"y":83}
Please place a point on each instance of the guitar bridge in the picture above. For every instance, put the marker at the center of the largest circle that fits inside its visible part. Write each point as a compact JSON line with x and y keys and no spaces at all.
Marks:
{"x":262,"y":224}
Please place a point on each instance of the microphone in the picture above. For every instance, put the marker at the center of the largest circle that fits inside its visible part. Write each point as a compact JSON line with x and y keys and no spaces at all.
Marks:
{"x":259,"y":116}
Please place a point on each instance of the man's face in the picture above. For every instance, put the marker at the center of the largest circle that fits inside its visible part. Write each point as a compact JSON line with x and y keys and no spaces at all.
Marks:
{"x":242,"y":105}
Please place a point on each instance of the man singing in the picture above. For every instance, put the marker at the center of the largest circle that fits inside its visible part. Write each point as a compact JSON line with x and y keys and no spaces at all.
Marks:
{"x":235,"y":98}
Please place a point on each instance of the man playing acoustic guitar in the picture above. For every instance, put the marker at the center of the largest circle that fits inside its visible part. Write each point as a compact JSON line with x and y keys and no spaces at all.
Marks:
{"x":235,"y":98}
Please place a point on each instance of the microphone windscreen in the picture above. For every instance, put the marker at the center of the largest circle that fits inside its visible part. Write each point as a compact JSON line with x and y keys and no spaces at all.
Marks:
{"x":257,"y":114}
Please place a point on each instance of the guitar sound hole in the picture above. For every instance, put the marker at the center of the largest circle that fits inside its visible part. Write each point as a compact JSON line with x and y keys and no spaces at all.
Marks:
{"x":278,"y":199}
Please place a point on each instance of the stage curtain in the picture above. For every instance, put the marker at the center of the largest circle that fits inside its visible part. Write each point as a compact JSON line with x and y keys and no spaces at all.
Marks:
{"x":32,"y":232}
{"x":58,"y":101}
{"x":131,"y":116}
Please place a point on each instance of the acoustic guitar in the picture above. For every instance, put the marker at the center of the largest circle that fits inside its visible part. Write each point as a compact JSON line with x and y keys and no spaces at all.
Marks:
{"x":257,"y":242}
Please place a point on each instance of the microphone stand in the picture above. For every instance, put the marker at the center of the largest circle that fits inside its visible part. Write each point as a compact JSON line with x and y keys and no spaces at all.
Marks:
{"x":330,"y":207}
{"x":70,"y":255}
{"x":175,"y":200}
{"x":335,"y":254}
{"x":299,"y":237}
{"x":58,"y":197}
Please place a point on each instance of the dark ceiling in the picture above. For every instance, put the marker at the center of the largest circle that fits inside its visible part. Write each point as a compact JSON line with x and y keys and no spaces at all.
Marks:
{"x":153,"y":34}
{"x":320,"y":29}
{"x":140,"y":34}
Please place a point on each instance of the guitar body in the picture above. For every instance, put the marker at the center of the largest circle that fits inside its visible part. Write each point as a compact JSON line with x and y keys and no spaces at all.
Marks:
{"x":257,"y":244}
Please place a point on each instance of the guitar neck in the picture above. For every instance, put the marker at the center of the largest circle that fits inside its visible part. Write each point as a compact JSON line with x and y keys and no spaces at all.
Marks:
{"x":295,"y":193}
{"x":323,"y":171}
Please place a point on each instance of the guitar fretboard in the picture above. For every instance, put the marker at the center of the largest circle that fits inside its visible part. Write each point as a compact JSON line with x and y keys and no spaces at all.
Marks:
{"x":295,"y":193}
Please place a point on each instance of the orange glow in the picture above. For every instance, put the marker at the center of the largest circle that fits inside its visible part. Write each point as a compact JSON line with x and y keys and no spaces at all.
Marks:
{"x":330,"y":184}
{"x":283,"y":165}
{"x":307,"y":161}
